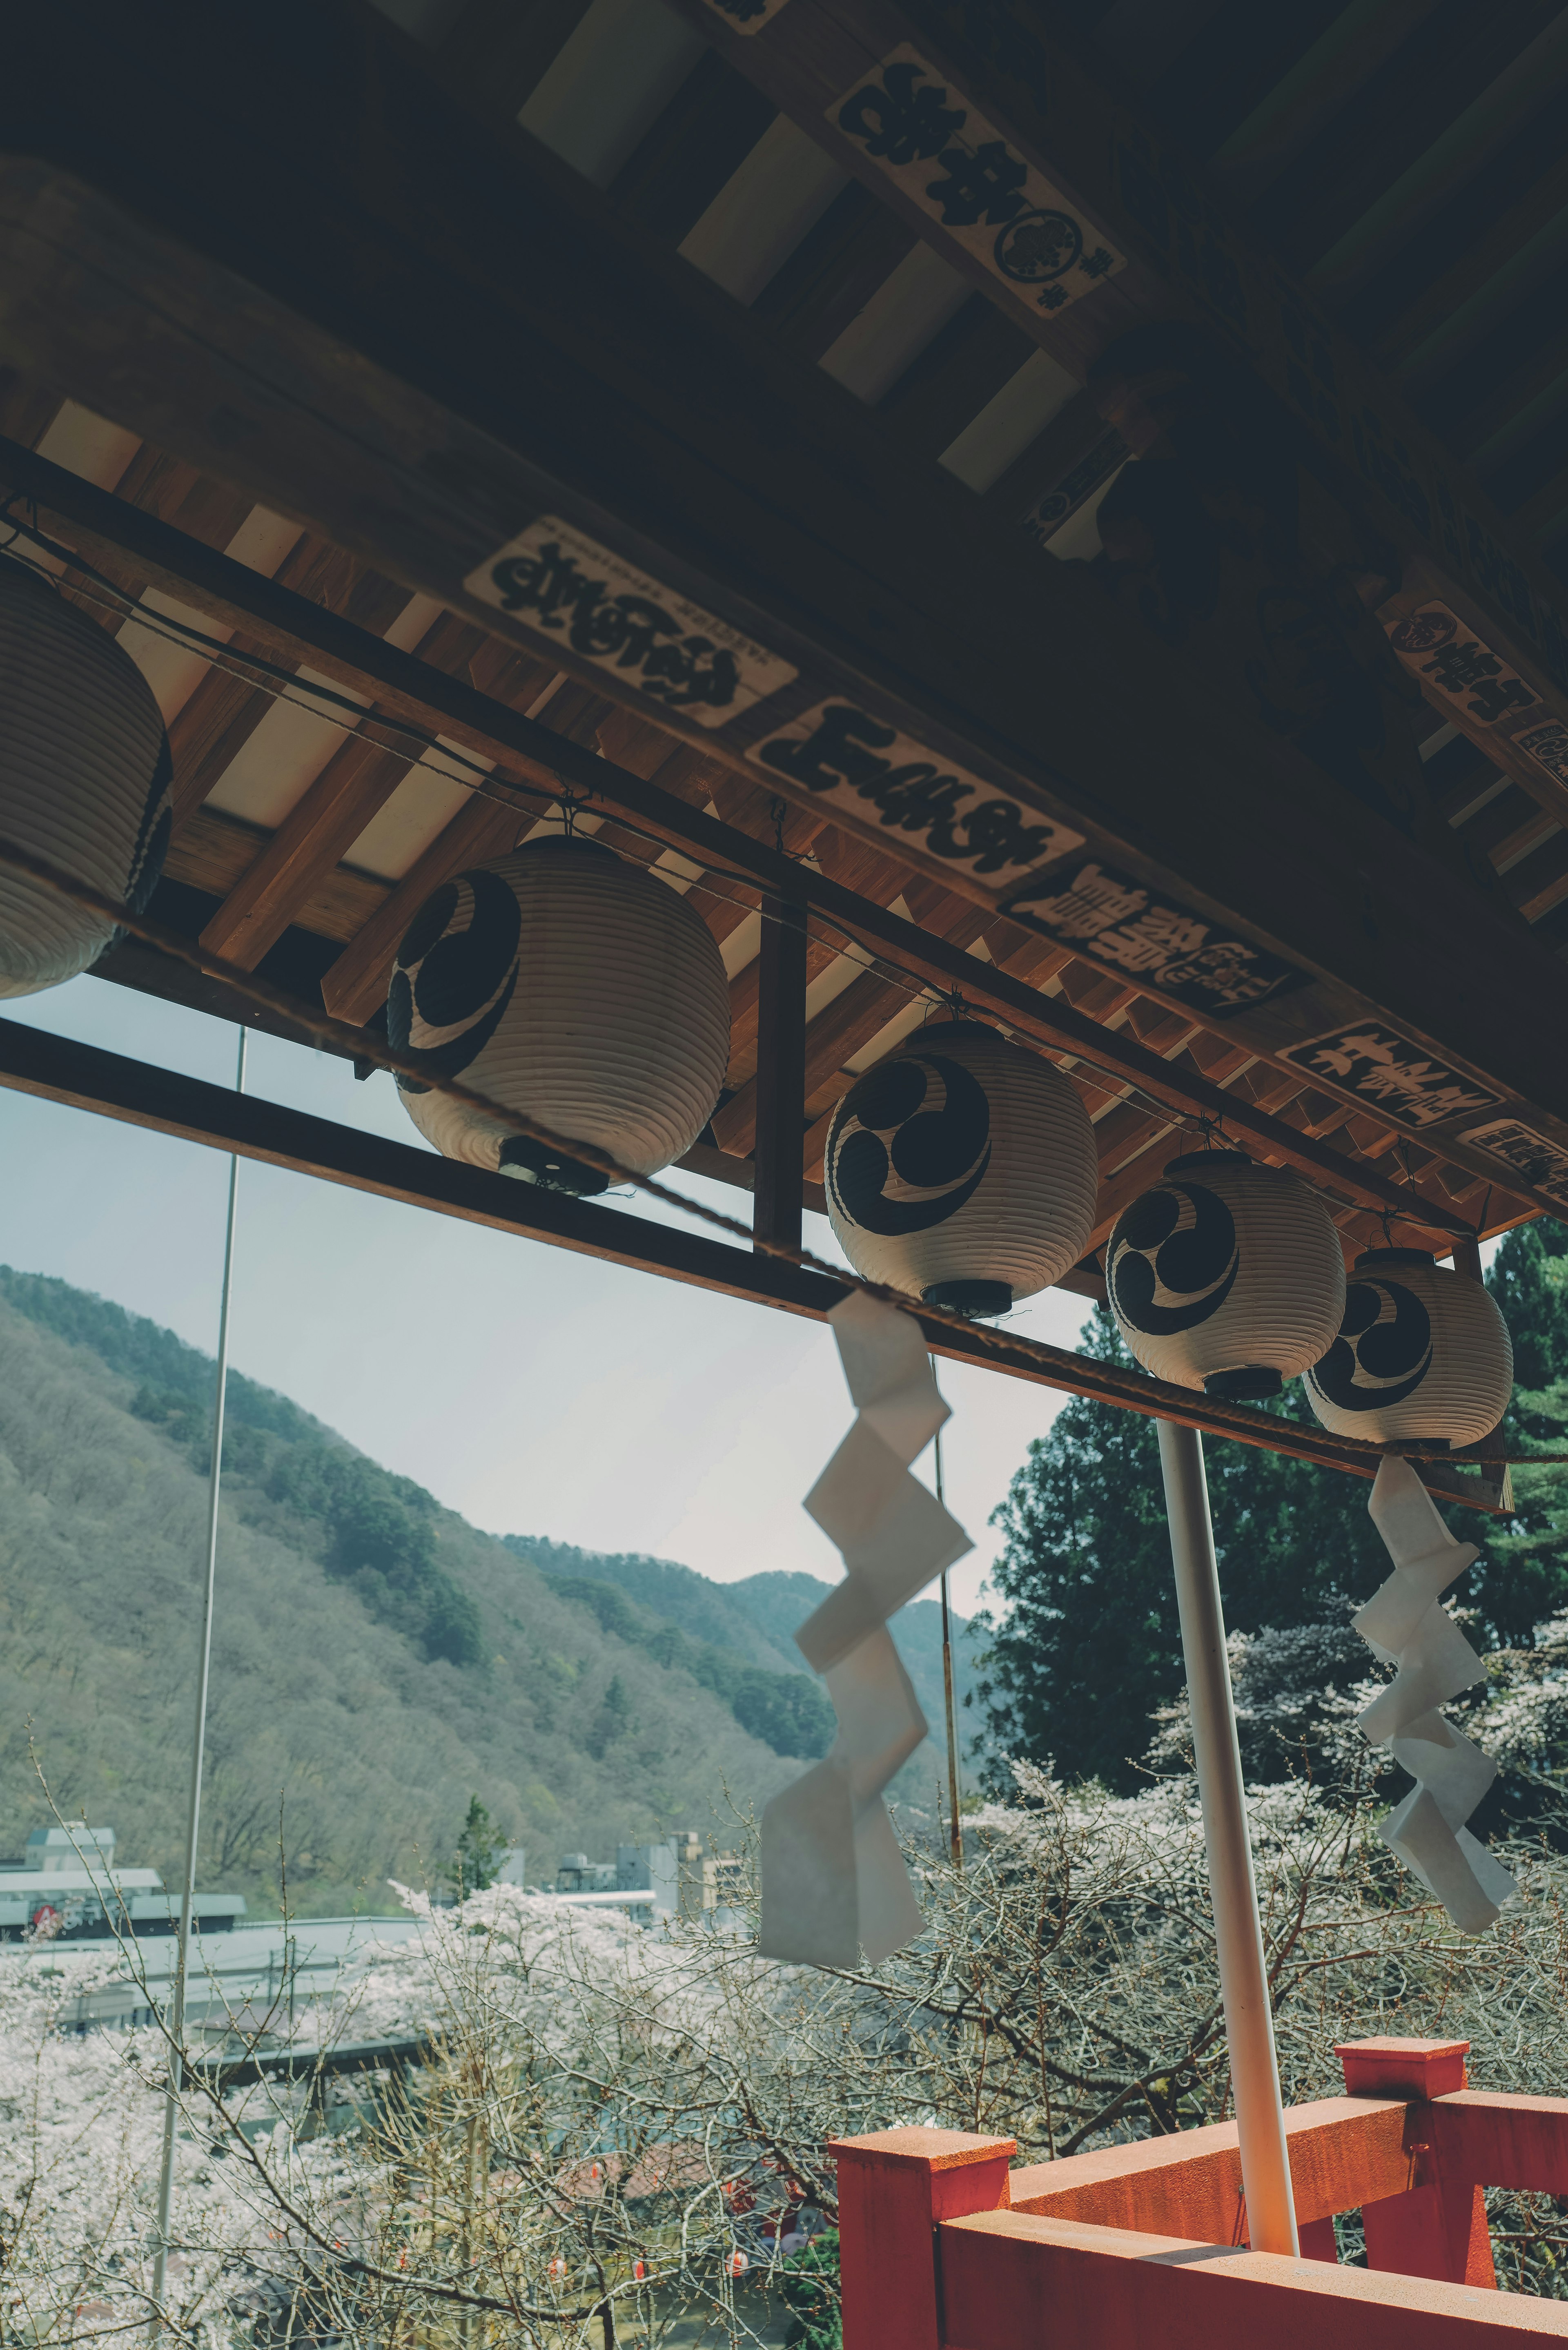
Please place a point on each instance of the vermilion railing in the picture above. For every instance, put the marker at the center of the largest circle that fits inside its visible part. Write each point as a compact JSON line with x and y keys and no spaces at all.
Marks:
{"x":946,"y":2246}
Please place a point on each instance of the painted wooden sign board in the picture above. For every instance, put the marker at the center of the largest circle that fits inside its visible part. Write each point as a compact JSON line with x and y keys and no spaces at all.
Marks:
{"x":1380,"y":1066}
{"x":953,"y":165}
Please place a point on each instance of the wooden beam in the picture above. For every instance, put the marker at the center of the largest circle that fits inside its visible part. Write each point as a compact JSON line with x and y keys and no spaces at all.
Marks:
{"x":1186,"y":794}
{"x":781,"y":1066}
{"x":1115,"y":167}
{"x":675,"y":411}
{"x":82,"y":1077}
{"x":521,"y":746}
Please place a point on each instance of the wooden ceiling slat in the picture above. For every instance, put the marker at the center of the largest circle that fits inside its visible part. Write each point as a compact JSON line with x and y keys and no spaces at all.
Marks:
{"x":1540,"y":881}
{"x":27,"y":409}
{"x":1485,"y":247}
{"x":834,"y":271}
{"x":1500,"y":821}
{"x":355,"y":782}
{"x":1524,"y":357}
{"x":1544,"y":511}
{"x":215,"y":851}
{"x":1218,"y":76}
{"x":1395,"y":120}
{"x":496,"y":54}
{"x":223,"y":713}
{"x":699,"y":140}
{"x":954,"y":377}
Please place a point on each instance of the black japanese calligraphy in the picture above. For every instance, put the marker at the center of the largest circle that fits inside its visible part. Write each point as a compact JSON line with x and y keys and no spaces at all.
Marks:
{"x":583,"y":596}
{"x":1548,"y":746}
{"x":1544,"y":1165}
{"x":896,"y":122}
{"x":987,"y":183}
{"x":1377,"y":1065}
{"x":842,"y":754}
{"x":1436,"y":645}
{"x":1120,"y":922}
{"x":983,"y":191}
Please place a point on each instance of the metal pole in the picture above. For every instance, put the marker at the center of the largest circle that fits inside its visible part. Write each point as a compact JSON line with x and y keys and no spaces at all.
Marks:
{"x":956,"y":1829}
{"x":1239,"y":1937}
{"x":199,"y":1741}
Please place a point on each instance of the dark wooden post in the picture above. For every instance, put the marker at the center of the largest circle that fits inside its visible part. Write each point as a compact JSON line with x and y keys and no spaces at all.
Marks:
{"x":1466,"y":1258}
{"x":778,"y":1151}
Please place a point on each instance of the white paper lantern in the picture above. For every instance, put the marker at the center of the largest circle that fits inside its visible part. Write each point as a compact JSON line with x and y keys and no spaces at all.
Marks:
{"x":1227,"y":1276}
{"x":1422,"y":1351}
{"x":575,"y":989}
{"x":963,"y":1171}
{"x":85,"y":780}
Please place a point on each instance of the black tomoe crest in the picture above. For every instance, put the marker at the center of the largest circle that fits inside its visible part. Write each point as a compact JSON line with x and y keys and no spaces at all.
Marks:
{"x":1173,"y":1258}
{"x":455,"y":973}
{"x":910,"y":1146}
{"x":1384,"y":1350}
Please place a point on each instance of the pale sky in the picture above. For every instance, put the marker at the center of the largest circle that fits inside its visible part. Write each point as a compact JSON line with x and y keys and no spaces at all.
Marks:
{"x":535,"y":1391}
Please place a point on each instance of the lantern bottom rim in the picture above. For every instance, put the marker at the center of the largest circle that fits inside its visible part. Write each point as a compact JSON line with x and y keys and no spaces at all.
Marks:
{"x":977,"y":1297}
{"x":1244,"y":1382}
{"x":527,"y":1161}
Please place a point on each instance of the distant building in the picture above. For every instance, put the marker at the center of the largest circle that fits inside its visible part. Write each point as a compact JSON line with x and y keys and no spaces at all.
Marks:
{"x":66,"y":1887}
{"x":678,"y":1878}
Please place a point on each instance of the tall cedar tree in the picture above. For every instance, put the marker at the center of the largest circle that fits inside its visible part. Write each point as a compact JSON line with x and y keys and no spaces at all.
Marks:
{"x":1090,"y":1645}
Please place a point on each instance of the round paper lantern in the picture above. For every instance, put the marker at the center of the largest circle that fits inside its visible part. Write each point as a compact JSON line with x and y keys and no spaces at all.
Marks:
{"x":1422,"y":1351}
{"x":575,"y":989}
{"x":85,"y":780}
{"x":1227,"y":1276}
{"x":962,"y":1168}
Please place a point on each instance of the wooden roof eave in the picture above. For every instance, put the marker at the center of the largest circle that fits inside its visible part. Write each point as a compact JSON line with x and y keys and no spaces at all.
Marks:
{"x":533,"y":762}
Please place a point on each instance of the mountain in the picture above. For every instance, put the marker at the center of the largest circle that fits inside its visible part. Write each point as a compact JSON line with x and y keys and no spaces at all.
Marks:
{"x":377,"y":1660}
{"x":757,"y":1618}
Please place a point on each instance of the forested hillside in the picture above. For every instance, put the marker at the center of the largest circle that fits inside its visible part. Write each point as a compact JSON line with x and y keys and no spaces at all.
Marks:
{"x":756,"y":1618}
{"x":377,"y":1660}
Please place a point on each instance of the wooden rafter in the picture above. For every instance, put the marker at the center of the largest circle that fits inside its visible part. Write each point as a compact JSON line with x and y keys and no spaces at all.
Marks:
{"x":410,"y":688}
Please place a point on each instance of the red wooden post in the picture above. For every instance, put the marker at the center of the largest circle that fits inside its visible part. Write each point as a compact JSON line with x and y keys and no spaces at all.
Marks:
{"x":1438,"y":2227}
{"x":894,"y":2187}
{"x":1403,"y":2068}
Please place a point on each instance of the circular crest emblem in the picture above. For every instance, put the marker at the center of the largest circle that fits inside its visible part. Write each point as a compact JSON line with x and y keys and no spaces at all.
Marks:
{"x":1384,"y":1350}
{"x":1173,"y":1260}
{"x":455,"y":973}
{"x":1422,"y":631}
{"x":1037,"y":246}
{"x":910,"y":1146}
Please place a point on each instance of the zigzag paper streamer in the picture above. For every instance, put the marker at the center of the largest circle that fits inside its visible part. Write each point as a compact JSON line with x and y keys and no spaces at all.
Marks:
{"x":1403,"y":1624}
{"x":833,"y":1880}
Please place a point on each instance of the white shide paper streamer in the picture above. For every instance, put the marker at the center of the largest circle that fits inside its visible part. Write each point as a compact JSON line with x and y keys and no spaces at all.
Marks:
{"x":833,"y":1880}
{"x":1403,"y":1624}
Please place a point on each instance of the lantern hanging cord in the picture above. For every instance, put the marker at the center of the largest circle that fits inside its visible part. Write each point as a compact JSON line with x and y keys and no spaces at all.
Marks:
{"x":1125,"y":1387}
{"x":352,"y":717}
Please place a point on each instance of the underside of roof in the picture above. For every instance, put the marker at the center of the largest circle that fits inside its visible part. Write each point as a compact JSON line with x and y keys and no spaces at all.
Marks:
{"x":794,"y":311}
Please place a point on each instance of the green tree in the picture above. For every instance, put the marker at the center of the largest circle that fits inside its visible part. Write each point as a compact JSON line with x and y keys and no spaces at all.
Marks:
{"x":810,"y":2282}
{"x":477,"y":1855}
{"x":1523,"y":1578}
{"x":1090,"y":1643}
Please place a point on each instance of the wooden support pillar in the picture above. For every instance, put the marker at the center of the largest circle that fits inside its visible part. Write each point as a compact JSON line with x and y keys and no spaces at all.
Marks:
{"x":894,"y":2187}
{"x":1438,"y":2228}
{"x":779,"y":1151}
